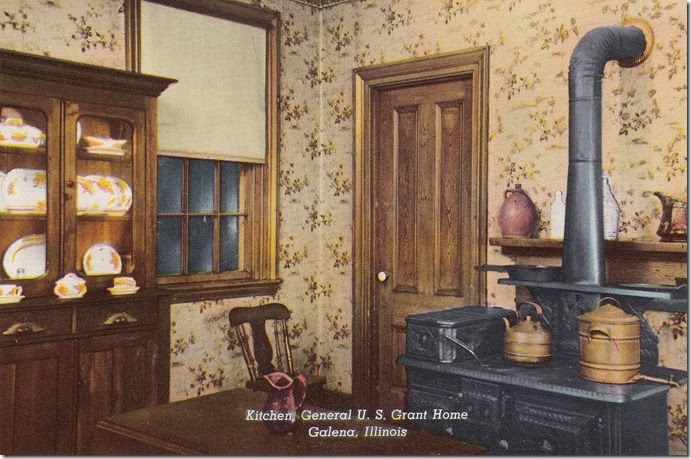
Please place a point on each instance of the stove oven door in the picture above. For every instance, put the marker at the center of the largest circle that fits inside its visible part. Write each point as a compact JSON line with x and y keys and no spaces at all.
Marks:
{"x":464,"y":408}
{"x":550,"y":427}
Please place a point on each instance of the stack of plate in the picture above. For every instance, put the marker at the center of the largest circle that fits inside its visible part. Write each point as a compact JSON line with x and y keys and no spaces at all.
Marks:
{"x":102,"y":194}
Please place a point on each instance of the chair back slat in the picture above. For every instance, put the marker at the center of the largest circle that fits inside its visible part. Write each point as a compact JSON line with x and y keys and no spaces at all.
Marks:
{"x":261,"y":355}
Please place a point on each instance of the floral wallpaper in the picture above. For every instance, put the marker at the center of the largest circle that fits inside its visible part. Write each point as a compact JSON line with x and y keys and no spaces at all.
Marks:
{"x":530,"y":41}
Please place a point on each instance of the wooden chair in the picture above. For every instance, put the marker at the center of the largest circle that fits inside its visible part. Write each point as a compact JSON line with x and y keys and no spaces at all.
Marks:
{"x":259,"y":349}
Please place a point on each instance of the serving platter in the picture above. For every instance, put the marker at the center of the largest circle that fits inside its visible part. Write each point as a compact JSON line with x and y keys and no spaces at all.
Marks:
{"x":25,"y":258}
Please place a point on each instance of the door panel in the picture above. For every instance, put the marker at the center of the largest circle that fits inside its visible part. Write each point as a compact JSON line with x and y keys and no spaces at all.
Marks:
{"x":36,"y":412}
{"x":116,"y":375}
{"x":422,"y":213}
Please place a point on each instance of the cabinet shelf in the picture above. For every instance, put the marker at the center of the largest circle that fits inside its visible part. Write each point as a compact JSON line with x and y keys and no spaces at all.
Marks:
{"x":38,"y":151}
{"x":104,"y":218}
{"x":18,"y":216}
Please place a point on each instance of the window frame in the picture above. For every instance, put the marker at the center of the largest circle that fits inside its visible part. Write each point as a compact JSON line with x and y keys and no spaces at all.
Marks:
{"x":259,"y":182}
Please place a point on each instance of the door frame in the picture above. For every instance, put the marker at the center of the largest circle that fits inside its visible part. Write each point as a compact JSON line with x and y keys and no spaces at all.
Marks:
{"x":368,"y":82}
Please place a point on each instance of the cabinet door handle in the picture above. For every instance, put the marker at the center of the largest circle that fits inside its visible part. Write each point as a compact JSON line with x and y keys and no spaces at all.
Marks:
{"x":120,"y":318}
{"x":23,"y":328}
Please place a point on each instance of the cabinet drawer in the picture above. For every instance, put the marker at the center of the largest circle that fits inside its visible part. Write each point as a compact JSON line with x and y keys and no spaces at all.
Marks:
{"x":26,"y":325}
{"x":115,"y":316}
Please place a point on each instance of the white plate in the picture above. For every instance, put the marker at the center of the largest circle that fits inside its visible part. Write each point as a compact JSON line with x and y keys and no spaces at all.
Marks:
{"x":106,"y":151}
{"x":101,"y":259}
{"x":122,"y":290}
{"x":86,"y":202}
{"x":25,"y":258}
{"x":24,"y":190}
{"x":125,"y":195}
{"x":11,"y":299}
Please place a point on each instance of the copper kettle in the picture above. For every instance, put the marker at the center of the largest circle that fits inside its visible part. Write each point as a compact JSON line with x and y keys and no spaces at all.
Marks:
{"x":527,"y":342}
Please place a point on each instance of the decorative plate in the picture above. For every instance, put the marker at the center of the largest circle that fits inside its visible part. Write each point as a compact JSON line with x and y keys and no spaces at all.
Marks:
{"x":105,"y":151}
{"x":25,"y":258}
{"x":122,"y":290}
{"x":10,"y":299}
{"x":24,"y":190}
{"x":105,"y":145}
{"x":125,"y":201}
{"x":106,"y":194}
{"x":101,"y":259}
{"x":86,"y":191}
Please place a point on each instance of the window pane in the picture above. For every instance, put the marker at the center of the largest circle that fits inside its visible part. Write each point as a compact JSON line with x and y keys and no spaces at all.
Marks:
{"x":229,"y":244}
{"x":169,"y":185}
{"x":202,"y":175}
{"x":200,"y":245}
{"x":169,"y":238}
{"x":230,"y":184}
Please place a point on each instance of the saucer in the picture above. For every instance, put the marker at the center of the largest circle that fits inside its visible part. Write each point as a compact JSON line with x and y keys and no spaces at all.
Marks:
{"x":122,"y":290}
{"x":71,"y":296}
{"x":6,"y":299}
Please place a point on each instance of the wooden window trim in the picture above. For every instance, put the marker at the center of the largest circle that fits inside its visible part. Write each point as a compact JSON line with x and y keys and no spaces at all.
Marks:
{"x":262,"y":230}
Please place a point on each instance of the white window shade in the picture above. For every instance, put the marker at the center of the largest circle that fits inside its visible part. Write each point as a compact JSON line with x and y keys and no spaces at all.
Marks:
{"x":217,"y":109}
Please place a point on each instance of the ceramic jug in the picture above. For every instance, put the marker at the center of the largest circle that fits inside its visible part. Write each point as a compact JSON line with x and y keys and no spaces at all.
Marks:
{"x":557,"y":216}
{"x":284,"y":401}
{"x":673,"y":222}
{"x":518,"y":215}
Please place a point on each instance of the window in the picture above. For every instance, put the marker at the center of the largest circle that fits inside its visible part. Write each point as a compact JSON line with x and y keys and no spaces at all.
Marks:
{"x":200,"y":220}
{"x":217,"y":212}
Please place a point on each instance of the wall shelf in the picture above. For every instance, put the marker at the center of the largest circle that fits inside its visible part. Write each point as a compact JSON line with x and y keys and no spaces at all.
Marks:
{"x":511,"y":244}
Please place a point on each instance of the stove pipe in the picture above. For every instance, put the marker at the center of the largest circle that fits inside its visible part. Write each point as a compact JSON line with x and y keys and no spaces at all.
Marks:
{"x":584,"y":259}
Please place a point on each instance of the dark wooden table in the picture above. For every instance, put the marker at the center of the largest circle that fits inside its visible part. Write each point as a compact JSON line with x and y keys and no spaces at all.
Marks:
{"x":216,"y":425}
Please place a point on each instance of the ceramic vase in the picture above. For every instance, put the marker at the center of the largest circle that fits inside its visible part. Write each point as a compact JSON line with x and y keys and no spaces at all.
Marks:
{"x":518,"y":215}
{"x":557,"y":216}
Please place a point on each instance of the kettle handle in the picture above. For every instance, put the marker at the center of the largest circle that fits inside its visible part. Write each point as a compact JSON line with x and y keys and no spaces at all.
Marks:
{"x":535,"y":305}
{"x":609,"y":298}
{"x":605,"y":332}
{"x":614,"y":300}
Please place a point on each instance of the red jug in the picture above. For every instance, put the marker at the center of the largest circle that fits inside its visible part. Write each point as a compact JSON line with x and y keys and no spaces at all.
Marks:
{"x":518,"y":215}
{"x":284,"y":401}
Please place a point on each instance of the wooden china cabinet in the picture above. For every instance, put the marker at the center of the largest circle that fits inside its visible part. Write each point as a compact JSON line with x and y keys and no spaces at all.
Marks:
{"x":77,"y":166}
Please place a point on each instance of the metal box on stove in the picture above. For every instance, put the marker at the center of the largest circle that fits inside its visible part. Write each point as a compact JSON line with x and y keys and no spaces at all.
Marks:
{"x":480,"y":329}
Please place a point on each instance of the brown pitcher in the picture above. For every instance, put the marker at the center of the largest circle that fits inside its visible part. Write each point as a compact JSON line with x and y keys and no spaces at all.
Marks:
{"x":284,"y":402}
{"x":673,"y":223}
{"x":518,"y":215}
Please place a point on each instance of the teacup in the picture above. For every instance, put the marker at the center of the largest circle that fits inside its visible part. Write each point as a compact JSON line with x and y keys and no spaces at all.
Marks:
{"x":124,"y":282}
{"x":10,"y":290}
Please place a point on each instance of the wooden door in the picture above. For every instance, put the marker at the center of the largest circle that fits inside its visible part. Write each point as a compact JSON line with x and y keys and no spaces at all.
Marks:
{"x":117,"y":373}
{"x":422,"y":203}
{"x":36,"y":399}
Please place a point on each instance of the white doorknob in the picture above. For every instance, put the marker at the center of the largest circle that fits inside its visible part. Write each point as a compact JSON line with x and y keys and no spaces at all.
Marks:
{"x":382,"y":276}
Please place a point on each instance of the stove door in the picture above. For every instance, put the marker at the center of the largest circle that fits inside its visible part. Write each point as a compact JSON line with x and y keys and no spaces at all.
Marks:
{"x":537,"y":428}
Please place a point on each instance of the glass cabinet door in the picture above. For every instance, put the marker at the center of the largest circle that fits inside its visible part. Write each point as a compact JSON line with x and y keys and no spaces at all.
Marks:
{"x":104,"y":168}
{"x":29,"y":209}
